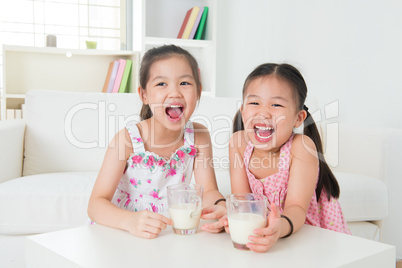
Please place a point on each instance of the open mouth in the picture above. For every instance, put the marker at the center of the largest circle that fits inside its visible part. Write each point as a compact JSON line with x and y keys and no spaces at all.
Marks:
{"x":174,"y":112}
{"x":263,"y":132}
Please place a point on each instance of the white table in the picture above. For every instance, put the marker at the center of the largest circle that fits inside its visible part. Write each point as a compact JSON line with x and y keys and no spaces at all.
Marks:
{"x":100,"y":246}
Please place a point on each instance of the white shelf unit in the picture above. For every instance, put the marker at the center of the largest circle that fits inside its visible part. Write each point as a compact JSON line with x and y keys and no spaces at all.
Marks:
{"x":29,"y":68}
{"x":157,"y":22}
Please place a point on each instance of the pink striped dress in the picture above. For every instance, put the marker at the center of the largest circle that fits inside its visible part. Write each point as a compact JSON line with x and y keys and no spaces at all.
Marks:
{"x":326,"y":213}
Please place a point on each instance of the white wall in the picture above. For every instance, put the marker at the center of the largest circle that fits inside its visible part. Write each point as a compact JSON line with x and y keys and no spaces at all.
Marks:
{"x":348,"y":51}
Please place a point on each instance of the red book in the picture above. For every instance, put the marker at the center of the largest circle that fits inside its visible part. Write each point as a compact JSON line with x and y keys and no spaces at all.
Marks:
{"x":183,"y":26}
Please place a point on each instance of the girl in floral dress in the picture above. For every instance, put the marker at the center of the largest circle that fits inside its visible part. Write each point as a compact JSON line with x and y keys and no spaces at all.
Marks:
{"x":267,"y":157}
{"x":165,"y":148}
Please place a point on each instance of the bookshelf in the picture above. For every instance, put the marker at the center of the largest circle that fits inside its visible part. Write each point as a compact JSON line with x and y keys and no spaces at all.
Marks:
{"x":157,"y":22}
{"x":28,"y":68}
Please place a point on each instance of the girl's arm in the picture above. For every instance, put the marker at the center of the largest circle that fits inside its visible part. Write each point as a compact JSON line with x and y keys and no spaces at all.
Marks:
{"x":238,"y":176}
{"x":204,"y":172}
{"x":303,"y":175}
{"x":100,"y":208}
{"x":205,"y":175}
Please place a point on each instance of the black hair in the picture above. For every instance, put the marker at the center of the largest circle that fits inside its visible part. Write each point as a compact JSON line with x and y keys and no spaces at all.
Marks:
{"x":159,"y":53}
{"x":293,"y":77}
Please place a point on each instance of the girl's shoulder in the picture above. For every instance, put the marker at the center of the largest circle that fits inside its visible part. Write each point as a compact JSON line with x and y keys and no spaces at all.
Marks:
{"x":121,"y":142}
{"x":238,"y":141}
{"x":123,"y":137}
{"x":199,"y":126}
{"x":201,"y":134}
{"x":303,"y":146}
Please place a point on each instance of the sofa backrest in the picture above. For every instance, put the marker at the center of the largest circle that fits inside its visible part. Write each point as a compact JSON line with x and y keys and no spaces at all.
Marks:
{"x":70,"y":131}
{"x":357,"y":149}
{"x":217,"y":115}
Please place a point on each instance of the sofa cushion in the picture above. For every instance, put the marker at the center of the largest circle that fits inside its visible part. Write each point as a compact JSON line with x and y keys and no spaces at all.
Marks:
{"x":68,"y":131}
{"x":12,"y":148}
{"x":46,"y":202}
{"x":362,"y":198}
{"x":365,"y":229}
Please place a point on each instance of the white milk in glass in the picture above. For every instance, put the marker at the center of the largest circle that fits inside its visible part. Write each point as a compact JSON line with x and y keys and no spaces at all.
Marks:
{"x":242,"y":225}
{"x":185,"y":216}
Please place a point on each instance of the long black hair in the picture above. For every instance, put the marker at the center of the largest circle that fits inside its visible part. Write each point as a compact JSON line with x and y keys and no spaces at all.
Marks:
{"x":296,"y":81}
{"x":159,"y":53}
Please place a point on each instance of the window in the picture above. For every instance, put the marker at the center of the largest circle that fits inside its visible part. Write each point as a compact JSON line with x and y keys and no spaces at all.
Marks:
{"x":27,"y":22}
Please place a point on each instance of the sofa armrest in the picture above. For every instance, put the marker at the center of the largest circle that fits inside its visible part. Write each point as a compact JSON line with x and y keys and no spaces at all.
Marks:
{"x":391,"y":233}
{"x":12,"y":134}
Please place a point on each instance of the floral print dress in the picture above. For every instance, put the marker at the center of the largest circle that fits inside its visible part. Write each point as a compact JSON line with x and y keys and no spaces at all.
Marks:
{"x":325,"y":213}
{"x":144,"y":183}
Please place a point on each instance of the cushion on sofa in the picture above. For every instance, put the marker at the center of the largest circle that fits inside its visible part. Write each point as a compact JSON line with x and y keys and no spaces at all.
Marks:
{"x":45,"y":202}
{"x":362,"y":198}
{"x":12,"y":147}
{"x":365,"y":229}
{"x":69,"y":131}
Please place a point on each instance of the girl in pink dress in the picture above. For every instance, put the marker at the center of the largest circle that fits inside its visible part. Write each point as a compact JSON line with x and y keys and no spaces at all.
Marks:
{"x":267,"y":157}
{"x":144,"y":158}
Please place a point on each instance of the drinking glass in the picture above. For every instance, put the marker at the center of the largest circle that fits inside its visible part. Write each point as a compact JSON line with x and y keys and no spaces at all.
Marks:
{"x":185,"y":205}
{"x":246,"y":212}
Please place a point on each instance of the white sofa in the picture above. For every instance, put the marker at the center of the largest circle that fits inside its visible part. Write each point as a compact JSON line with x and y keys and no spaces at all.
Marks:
{"x":49,"y":160}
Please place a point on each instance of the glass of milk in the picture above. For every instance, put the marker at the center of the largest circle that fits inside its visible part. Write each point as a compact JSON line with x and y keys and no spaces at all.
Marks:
{"x":246,"y":212}
{"x":185,"y":205}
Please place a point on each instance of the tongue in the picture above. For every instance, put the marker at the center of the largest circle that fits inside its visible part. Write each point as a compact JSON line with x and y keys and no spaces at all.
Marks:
{"x":173,"y":112}
{"x":264,"y":133}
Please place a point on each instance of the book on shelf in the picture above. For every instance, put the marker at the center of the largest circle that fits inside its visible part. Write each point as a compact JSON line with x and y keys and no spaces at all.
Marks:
{"x":113,"y":76}
{"x":10,"y":114}
{"x":201,"y":27}
{"x":109,"y":74}
{"x":18,"y":114}
{"x":125,"y":82}
{"x":190,"y":23}
{"x":196,"y":23}
{"x":119,"y":75}
{"x":183,"y":26}
{"x":23,"y":110}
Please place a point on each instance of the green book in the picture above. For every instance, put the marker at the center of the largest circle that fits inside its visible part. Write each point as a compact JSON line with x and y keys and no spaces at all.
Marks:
{"x":124,"y":85}
{"x":200,"y":34}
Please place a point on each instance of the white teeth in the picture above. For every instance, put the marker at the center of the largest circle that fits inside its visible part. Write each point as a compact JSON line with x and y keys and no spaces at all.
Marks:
{"x":264,"y":128}
{"x":175,"y":106}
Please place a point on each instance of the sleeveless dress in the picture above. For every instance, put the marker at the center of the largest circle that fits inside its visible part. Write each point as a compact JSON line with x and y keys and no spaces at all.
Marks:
{"x":143,"y":185}
{"x":325,"y":214}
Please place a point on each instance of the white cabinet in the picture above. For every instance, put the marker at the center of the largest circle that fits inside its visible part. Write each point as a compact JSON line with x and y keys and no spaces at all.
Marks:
{"x":157,"y":22}
{"x":28,"y":68}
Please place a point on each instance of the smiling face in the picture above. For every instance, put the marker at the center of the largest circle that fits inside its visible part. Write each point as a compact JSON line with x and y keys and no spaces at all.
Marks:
{"x":269,"y":112}
{"x":171,"y":92}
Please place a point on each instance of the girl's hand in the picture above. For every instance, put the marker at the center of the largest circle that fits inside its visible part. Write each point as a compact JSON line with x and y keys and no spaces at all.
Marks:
{"x":212,"y":213}
{"x":267,"y":236}
{"x":147,"y":224}
{"x":225,"y":222}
